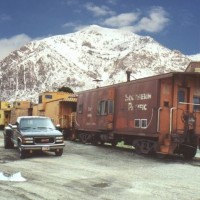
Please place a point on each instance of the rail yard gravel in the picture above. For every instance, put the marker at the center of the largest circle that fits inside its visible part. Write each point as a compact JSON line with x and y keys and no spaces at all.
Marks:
{"x":97,"y":172}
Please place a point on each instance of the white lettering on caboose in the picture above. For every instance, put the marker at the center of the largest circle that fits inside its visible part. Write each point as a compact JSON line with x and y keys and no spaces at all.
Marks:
{"x":137,"y":97}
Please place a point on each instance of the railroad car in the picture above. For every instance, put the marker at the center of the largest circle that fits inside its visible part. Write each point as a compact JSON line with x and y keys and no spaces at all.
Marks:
{"x":20,"y":108}
{"x":60,"y":107}
{"x":46,"y":97}
{"x":5,"y":108}
{"x":158,"y":114}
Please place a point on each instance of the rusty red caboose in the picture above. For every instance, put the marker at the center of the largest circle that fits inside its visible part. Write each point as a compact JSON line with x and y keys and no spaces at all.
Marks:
{"x":155,"y":114}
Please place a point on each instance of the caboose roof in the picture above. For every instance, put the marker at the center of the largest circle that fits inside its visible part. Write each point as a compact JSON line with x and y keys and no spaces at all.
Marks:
{"x":149,"y":78}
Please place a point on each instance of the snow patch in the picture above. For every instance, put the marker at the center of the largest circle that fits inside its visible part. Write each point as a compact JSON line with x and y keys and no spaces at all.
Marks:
{"x":16,"y":177}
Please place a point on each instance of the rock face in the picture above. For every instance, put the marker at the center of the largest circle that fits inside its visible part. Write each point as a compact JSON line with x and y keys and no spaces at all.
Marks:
{"x":75,"y":60}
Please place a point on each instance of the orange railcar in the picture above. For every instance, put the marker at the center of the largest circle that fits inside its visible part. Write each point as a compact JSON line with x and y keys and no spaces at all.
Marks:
{"x":155,"y":114}
{"x":60,"y":107}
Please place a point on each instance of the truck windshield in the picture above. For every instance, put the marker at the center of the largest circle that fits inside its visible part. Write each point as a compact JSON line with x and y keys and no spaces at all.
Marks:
{"x":36,"y":123}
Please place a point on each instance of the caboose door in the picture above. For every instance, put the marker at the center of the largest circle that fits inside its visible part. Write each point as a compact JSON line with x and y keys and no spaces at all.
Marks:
{"x":183,"y":99}
{"x":105,"y":109}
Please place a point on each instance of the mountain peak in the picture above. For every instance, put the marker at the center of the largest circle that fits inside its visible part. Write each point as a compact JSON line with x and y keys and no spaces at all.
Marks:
{"x":76,"y":59}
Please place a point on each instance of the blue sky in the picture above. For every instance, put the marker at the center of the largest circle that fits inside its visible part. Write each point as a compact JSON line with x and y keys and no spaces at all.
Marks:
{"x":173,"y":23}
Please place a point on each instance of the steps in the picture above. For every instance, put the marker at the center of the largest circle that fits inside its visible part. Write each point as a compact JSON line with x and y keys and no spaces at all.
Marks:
{"x":165,"y":148}
{"x":170,"y":143}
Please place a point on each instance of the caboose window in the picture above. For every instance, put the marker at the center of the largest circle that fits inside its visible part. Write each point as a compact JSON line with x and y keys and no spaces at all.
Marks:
{"x":105,"y":110}
{"x":137,"y":123}
{"x":48,"y":96}
{"x":101,"y":107}
{"x":143,"y":123}
{"x":181,"y":96}
{"x":40,"y":99}
{"x":196,"y":100}
{"x":140,"y":123}
{"x":110,"y":107}
{"x":80,"y":108}
{"x":105,"y":107}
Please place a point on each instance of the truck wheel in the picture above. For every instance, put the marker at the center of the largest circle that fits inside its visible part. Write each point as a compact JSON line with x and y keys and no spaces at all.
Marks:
{"x":59,"y":153}
{"x":22,"y":153}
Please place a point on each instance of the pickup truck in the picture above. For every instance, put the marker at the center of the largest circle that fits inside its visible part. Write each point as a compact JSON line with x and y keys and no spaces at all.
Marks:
{"x":33,"y":133}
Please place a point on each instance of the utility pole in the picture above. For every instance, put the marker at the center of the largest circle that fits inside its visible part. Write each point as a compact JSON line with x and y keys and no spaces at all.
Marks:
{"x":97,"y":82}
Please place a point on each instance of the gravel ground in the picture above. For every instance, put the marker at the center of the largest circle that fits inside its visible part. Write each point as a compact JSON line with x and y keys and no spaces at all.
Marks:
{"x":97,"y":172}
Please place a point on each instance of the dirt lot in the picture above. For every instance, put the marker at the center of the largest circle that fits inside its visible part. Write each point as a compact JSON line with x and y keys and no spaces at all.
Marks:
{"x":97,"y":172}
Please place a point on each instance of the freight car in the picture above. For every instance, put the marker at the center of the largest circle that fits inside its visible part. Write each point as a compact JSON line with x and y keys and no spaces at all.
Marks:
{"x":20,"y":108}
{"x":60,"y":107}
{"x":158,"y":114}
{"x":5,"y":108}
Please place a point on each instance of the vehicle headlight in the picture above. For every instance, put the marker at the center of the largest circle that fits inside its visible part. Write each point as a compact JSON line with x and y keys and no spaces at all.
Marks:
{"x":59,"y":139}
{"x":28,"y":140}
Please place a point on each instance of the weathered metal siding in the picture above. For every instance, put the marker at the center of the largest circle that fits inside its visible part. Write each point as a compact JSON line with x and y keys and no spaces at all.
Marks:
{"x":60,"y":112}
{"x":196,"y":93}
{"x":86,"y":111}
{"x":136,"y":106}
{"x":166,"y":103}
{"x":190,"y":83}
{"x":18,"y":112}
{"x":105,"y":122}
{"x":35,"y":110}
{"x":87,"y":116}
{"x":180,"y":84}
{"x":52,"y":111}
{"x":145,"y":107}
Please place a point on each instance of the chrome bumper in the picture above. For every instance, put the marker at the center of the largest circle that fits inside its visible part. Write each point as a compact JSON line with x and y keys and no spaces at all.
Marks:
{"x":43,"y":147}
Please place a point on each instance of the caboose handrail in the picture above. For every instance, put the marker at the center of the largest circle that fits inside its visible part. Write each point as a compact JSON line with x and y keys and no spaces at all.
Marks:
{"x":171,"y":116}
{"x":195,"y":104}
{"x":158,"y":122}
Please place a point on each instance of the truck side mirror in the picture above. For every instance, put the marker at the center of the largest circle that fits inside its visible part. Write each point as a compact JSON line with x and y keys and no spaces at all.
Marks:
{"x":14,"y":126}
{"x":57,"y":126}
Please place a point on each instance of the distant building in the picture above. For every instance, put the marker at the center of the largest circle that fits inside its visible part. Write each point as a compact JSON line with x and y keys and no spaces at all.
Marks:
{"x":193,"y":67}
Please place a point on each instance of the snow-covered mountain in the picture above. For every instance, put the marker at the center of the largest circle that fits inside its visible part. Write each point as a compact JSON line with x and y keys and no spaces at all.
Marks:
{"x":75,"y":60}
{"x":195,"y":57}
